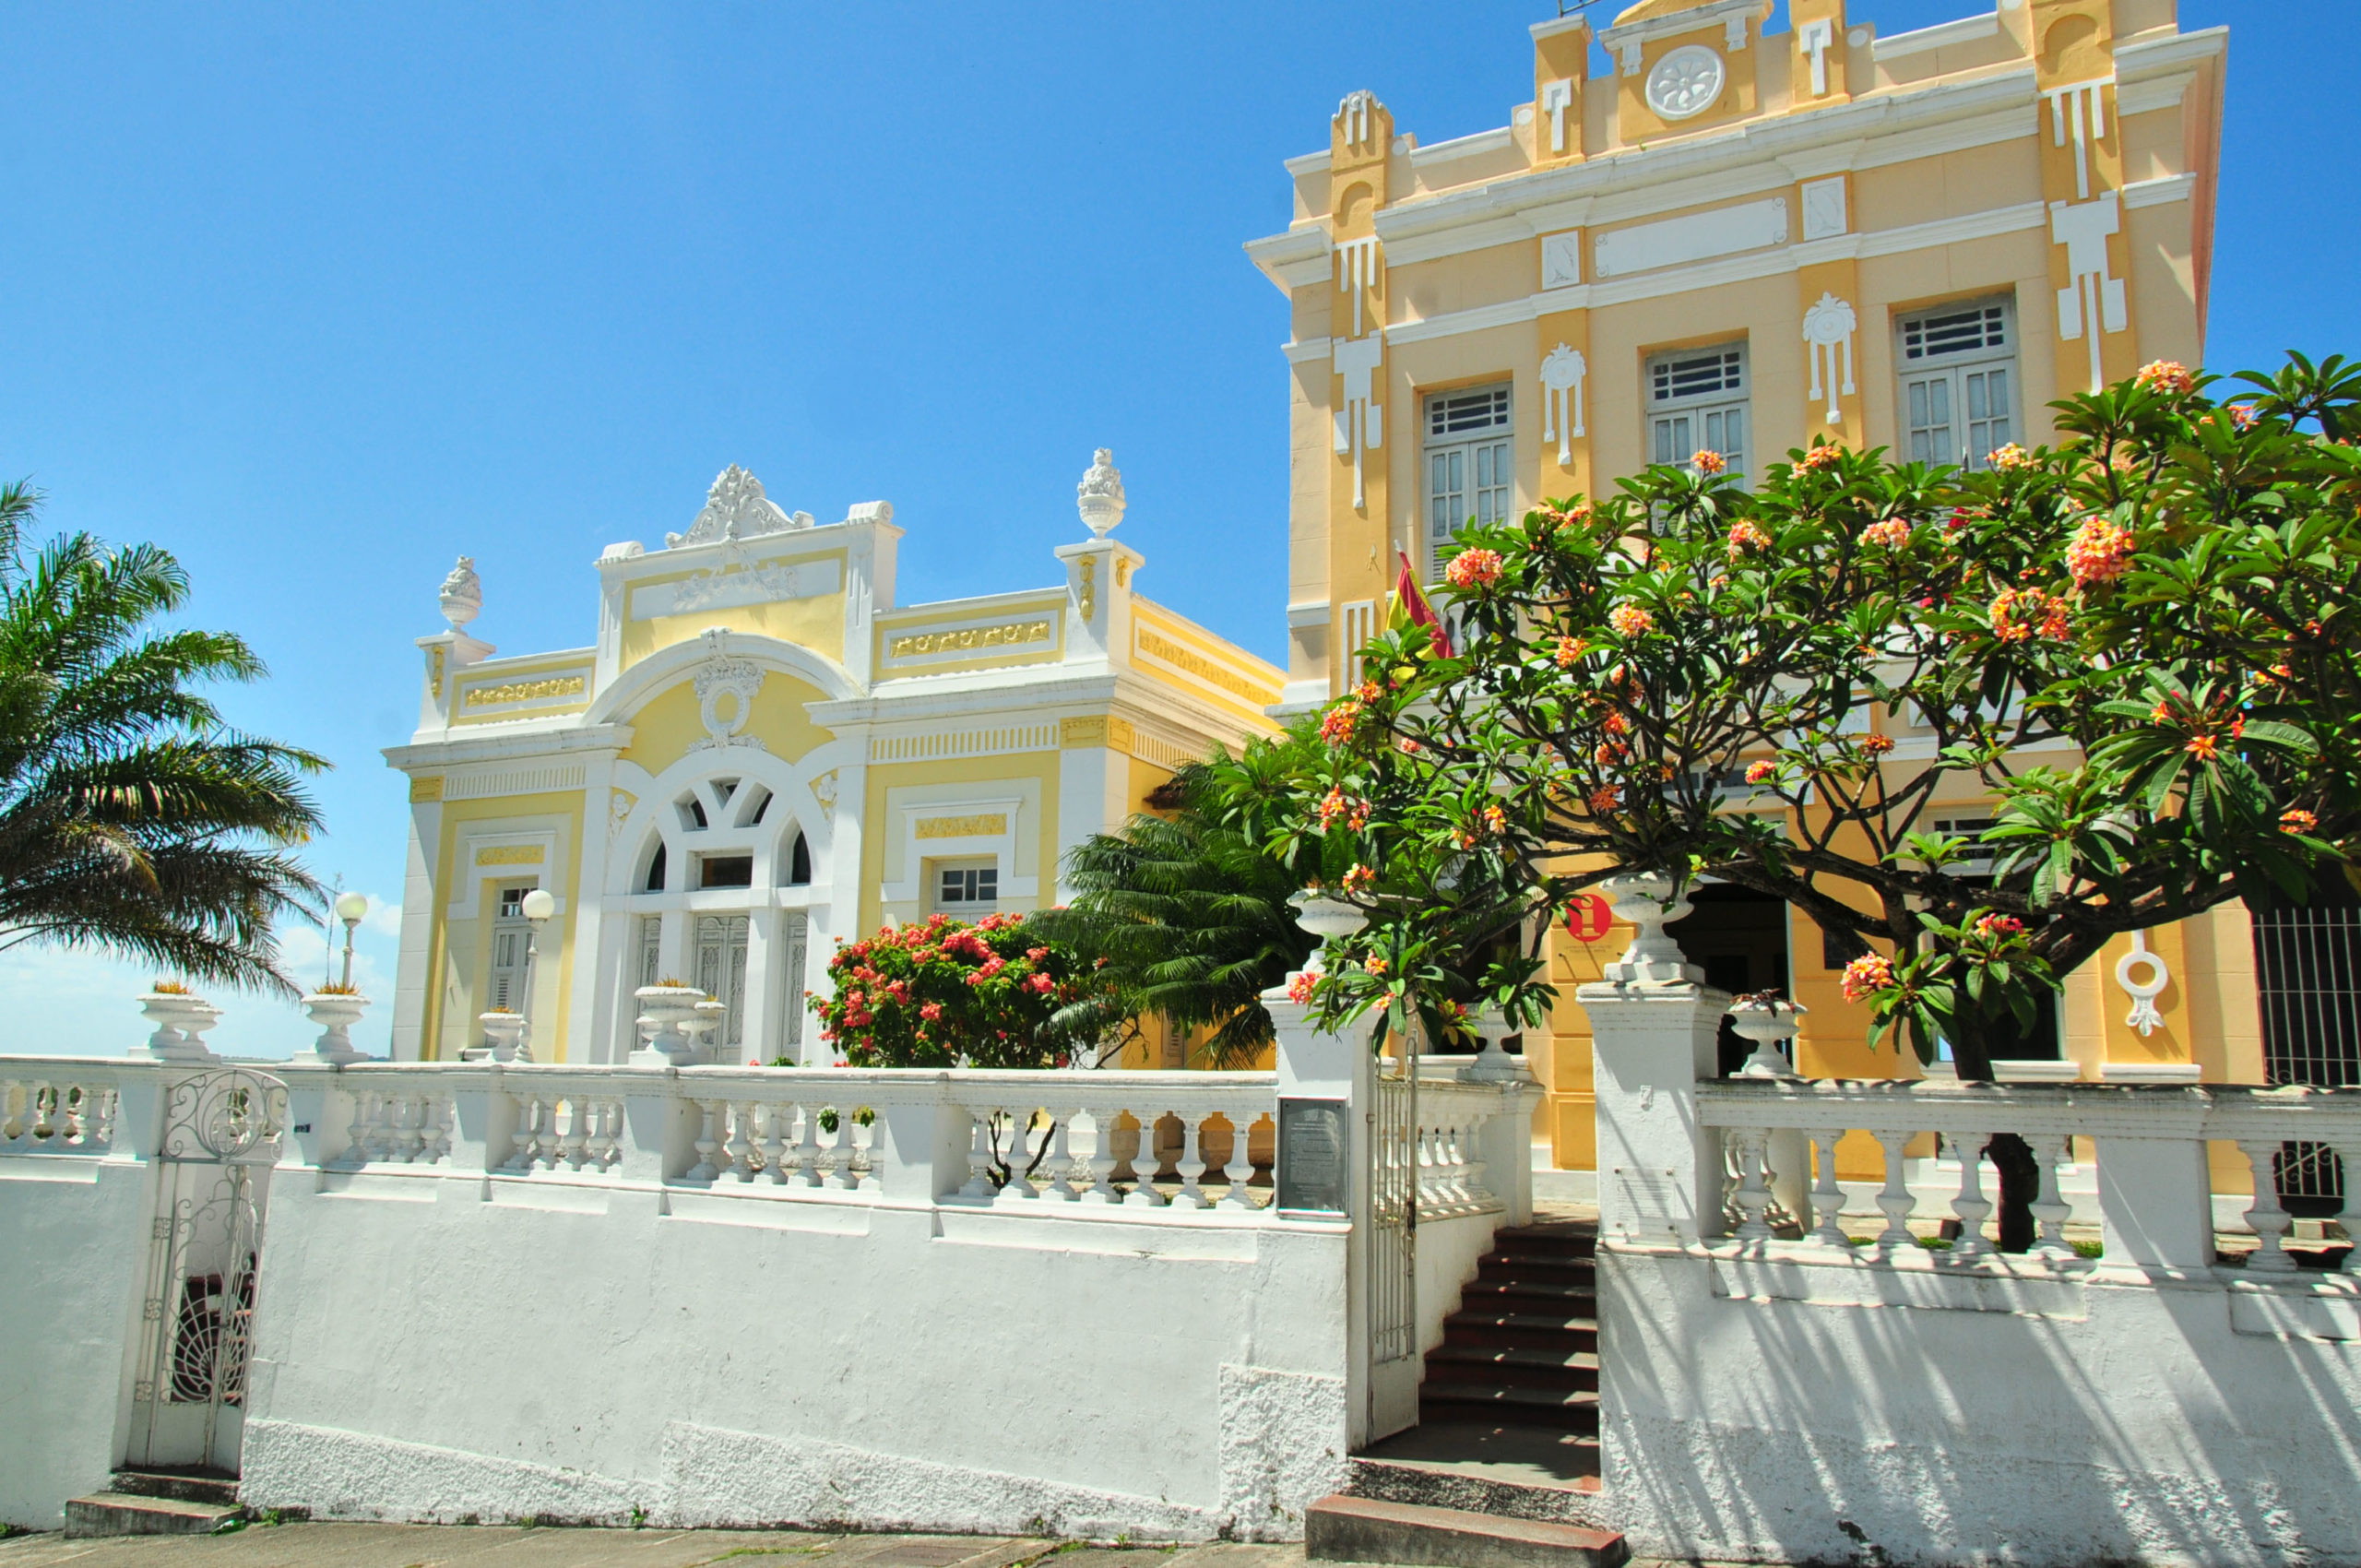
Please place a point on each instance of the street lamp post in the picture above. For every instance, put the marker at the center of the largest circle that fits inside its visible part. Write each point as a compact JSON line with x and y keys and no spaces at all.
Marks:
{"x":539,"y":906}
{"x":352,"y":909}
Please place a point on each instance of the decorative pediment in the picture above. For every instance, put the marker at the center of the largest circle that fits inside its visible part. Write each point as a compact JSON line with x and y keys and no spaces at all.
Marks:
{"x":736,"y":509}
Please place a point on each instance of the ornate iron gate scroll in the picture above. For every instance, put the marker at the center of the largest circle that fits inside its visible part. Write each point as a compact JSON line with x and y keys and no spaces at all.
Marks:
{"x":221,"y":1138}
{"x":1393,"y":1202}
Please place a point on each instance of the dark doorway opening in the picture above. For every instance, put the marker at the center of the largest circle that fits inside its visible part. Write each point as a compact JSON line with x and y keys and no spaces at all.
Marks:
{"x":1740,"y":938}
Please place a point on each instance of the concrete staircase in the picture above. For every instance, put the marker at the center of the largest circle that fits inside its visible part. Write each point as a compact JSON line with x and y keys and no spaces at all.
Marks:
{"x":157,"y":1503}
{"x":1503,"y":1469}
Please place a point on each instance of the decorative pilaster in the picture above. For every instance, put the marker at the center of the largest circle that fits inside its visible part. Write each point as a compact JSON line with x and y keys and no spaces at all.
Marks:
{"x":2081,"y":178}
{"x":1360,"y":533}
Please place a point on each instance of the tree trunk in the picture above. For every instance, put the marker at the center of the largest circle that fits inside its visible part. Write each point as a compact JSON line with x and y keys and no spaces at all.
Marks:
{"x":2010,"y":1155}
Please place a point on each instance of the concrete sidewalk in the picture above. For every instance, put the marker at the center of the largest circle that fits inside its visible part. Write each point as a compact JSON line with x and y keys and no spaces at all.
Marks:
{"x":434,"y":1546}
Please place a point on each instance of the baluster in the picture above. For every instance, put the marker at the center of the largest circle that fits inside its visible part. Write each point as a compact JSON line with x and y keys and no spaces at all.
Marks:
{"x":356,"y":1136}
{"x":1894,"y":1198}
{"x":1753,"y":1191}
{"x":440,"y":1112}
{"x":841,"y":1174}
{"x":575,"y":1147}
{"x":2050,"y":1210}
{"x":1019,"y":1185}
{"x":1240,"y":1167}
{"x":708,"y":1142}
{"x":740,"y":1146}
{"x":44,"y":1097}
{"x":547,"y":1135}
{"x":521,"y":1158}
{"x":1474,"y":1169}
{"x":381,"y":1129}
{"x":2348,"y":1156}
{"x":8,"y":1123}
{"x":775,"y":1144}
{"x":809,"y":1171}
{"x":415,"y":1141}
{"x":1827,"y":1197}
{"x":979,"y":1156}
{"x":610,"y":1128}
{"x":1971,"y":1205}
{"x":1060,"y":1162}
{"x":2266,"y":1218}
{"x":1191,"y":1164}
{"x":859,"y":1170}
{"x":1101,"y":1161}
{"x":1144,"y":1164}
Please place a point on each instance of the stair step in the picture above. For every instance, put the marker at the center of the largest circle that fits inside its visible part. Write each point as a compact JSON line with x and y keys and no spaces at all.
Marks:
{"x":1366,"y":1529}
{"x":1461,"y":1365}
{"x":1572,"y":1296}
{"x":127,"y":1514}
{"x":186,"y":1486}
{"x":1567,"y":1410}
{"x":1582,"y":1241}
{"x":1514,"y":1265}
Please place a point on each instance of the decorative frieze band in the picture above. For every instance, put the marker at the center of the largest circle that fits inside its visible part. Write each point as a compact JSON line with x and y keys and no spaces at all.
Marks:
{"x":1163,"y":650}
{"x":552,"y":688}
{"x":512,"y":854}
{"x":935,"y":745}
{"x":982,"y":824}
{"x":966,"y":640}
{"x":514,"y":781}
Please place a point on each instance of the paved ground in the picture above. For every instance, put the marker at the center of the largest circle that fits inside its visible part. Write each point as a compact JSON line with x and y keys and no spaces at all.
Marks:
{"x":429,"y":1546}
{"x":433,"y":1545}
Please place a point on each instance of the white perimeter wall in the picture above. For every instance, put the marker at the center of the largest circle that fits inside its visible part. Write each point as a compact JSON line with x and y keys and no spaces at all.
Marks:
{"x":73,"y":1255}
{"x":444,"y":1347}
{"x":2038,"y":1422}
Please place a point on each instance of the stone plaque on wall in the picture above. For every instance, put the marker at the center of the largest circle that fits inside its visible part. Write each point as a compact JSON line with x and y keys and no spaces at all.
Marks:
{"x":1312,"y":1146}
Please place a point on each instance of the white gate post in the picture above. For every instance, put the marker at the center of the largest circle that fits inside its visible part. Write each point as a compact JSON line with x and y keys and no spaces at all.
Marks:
{"x":1654,"y":1025}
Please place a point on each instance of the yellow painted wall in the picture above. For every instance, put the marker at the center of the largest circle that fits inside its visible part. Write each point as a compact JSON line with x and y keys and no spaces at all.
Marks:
{"x":670,"y":723}
{"x":458,"y":961}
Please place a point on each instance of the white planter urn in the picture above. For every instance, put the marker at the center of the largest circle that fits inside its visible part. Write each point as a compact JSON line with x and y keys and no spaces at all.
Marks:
{"x":1330,"y":919}
{"x":707,"y":1027}
{"x":1770,"y":1024}
{"x":336,"y":1011}
{"x":669,"y":1026}
{"x":504,"y":1034}
{"x":1647,"y":900}
{"x":1492,"y":1065}
{"x":181,"y":1021}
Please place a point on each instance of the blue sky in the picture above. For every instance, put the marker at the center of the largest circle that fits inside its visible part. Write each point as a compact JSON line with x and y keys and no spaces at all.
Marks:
{"x":320,"y":297}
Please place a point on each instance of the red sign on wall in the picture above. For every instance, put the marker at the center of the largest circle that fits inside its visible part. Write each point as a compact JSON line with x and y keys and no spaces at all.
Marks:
{"x":1588,"y":916}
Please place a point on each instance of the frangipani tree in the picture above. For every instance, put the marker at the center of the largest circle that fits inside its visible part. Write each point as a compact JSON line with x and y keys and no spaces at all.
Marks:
{"x":2134,"y":655}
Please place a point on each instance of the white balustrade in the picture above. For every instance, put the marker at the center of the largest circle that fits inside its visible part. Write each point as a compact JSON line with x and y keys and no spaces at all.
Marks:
{"x":1447,"y":1146}
{"x":2155,"y":1194}
{"x":1044,"y":1139}
{"x":57,"y":1112}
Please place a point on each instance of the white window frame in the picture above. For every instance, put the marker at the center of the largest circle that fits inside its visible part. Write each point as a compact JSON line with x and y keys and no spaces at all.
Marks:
{"x":1467,"y":464}
{"x":976,"y":870}
{"x":512,"y":934}
{"x":1943,"y":369}
{"x":1689,"y":411}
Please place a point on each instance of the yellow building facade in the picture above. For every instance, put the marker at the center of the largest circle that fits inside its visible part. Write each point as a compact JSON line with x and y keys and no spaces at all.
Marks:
{"x":1730,"y":239}
{"x":763,"y":753}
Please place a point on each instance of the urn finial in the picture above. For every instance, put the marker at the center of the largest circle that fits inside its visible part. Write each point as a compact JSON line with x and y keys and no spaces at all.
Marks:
{"x":462,"y":595}
{"x":1099,"y":496}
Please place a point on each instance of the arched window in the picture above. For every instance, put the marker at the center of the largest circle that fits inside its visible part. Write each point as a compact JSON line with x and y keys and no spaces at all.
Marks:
{"x":654,"y":881}
{"x":799,"y":863}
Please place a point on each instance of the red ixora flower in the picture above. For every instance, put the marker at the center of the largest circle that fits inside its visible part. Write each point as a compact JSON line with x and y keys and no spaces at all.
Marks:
{"x":1473,"y":568}
{"x":1877,"y":745}
{"x":2296,"y":819}
{"x":1760,"y":772}
{"x":1999,"y":925}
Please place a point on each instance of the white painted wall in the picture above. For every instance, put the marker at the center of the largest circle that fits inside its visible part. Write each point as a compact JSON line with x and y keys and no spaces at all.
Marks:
{"x":2093,"y":1422}
{"x":439,"y":1346}
{"x":72,"y":1234}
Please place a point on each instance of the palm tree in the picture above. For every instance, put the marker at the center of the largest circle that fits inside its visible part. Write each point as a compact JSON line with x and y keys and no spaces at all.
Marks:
{"x":1189,"y":915}
{"x":132,"y":819}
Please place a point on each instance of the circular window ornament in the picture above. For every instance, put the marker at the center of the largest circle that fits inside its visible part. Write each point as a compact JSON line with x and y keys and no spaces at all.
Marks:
{"x":1685,"y":82}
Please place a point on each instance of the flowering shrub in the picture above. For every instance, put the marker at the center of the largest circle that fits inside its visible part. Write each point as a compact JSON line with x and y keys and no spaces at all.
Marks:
{"x":1891,"y":533}
{"x":1824,"y":454}
{"x":1747,"y":535}
{"x":945,"y":994}
{"x":2164,"y":375}
{"x":1865,"y":977}
{"x":1630,"y":621}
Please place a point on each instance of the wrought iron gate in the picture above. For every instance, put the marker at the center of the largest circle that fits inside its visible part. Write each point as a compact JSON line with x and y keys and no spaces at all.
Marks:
{"x":221,"y":1138}
{"x":1393,"y":1208}
{"x":2308,"y":974}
